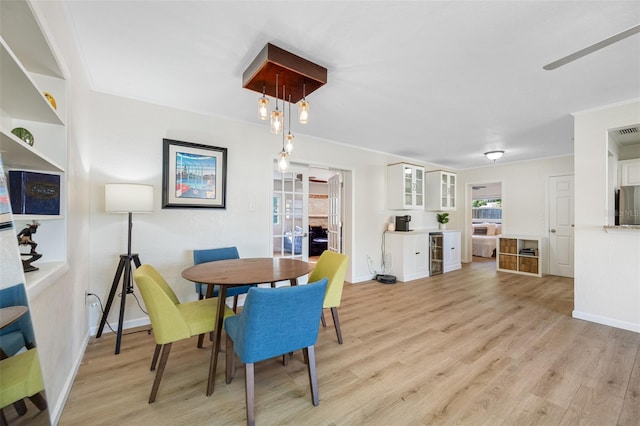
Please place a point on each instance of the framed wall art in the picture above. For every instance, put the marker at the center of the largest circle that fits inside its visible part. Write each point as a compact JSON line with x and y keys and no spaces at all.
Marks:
{"x":193,"y":175}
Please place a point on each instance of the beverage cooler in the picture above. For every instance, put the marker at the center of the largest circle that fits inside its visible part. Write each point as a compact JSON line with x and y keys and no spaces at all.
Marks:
{"x":435,"y":253}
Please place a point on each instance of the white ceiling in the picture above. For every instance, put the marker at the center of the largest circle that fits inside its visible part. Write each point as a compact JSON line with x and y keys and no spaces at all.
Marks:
{"x":440,"y":82}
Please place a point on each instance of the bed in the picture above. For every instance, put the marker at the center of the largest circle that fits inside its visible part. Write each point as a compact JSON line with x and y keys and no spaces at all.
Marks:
{"x":484,"y":239}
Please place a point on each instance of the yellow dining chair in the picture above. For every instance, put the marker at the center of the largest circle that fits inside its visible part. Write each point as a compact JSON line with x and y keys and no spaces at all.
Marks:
{"x":170,"y":319}
{"x":333,"y":266}
{"x":20,"y":377}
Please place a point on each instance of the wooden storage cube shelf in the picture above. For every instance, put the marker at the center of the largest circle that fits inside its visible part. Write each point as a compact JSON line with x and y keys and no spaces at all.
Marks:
{"x":508,"y":262}
{"x":520,"y":254}
{"x":508,"y":245}
{"x":528,"y":264}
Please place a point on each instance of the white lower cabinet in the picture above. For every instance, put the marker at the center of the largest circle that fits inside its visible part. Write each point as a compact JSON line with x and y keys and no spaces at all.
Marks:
{"x":407,"y":255}
{"x":451,"y":258}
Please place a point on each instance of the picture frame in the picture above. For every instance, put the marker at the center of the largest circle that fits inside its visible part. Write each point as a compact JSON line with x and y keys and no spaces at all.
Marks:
{"x":193,"y":175}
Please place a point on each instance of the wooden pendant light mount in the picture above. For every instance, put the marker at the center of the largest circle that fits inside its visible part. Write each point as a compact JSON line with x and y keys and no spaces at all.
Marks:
{"x":293,"y":72}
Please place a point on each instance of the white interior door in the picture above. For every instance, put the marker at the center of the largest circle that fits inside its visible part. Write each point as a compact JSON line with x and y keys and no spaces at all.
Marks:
{"x":290,"y":219}
{"x":561,"y":226}
{"x":334,"y":221}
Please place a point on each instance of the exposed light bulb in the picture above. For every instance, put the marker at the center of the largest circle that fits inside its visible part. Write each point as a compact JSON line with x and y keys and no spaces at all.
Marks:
{"x":289,"y":145}
{"x":303,"y":111}
{"x":263,"y":108}
{"x":283,"y":162}
{"x":276,"y":121}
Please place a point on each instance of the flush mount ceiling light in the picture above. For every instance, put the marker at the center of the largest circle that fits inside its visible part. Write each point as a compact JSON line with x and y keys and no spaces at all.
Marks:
{"x":493,"y":155}
{"x":274,"y":69}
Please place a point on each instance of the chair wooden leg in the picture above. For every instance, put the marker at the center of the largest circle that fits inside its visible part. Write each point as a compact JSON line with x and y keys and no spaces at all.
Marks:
{"x":336,"y":322}
{"x":324,"y":322}
{"x":154,"y":360}
{"x":249,"y":390}
{"x":166,"y":348}
{"x":230,"y":361}
{"x":20,"y":407}
{"x":39,"y":401}
{"x":313,"y":381}
{"x":235,"y":304}
{"x":200,"y":340}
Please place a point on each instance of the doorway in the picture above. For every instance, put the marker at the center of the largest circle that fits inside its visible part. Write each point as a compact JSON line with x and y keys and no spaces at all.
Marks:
{"x":309,"y":211}
{"x":486,"y":220}
{"x":561,"y":227}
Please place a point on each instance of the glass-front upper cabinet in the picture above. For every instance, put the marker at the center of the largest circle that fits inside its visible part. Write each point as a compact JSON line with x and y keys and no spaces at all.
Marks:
{"x":405,"y":186}
{"x":441,"y":190}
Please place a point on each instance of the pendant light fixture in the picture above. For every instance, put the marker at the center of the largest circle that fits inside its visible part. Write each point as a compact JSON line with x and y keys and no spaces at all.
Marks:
{"x":290,"y":137}
{"x":276,"y":115}
{"x":283,"y":162}
{"x":303,"y":107}
{"x":263,"y":105}
{"x":297,"y":73}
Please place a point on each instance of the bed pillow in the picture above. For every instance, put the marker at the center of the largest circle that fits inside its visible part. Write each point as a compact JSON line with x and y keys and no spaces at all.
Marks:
{"x":491,"y":228}
{"x":479,"y":230}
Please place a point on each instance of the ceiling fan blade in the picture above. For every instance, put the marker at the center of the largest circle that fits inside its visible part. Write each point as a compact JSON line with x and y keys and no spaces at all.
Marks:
{"x":594,"y":47}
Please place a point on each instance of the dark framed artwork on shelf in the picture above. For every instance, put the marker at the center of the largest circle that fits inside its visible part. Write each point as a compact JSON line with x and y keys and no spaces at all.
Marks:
{"x":193,"y":175}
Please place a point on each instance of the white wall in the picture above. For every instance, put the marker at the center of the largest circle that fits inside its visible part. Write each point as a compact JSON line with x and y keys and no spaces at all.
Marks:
{"x":126,"y":145}
{"x":524,"y":195}
{"x":59,"y":313}
{"x":607,"y":279}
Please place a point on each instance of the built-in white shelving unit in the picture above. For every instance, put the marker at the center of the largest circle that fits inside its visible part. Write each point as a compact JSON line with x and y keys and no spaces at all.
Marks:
{"x":28,"y":68}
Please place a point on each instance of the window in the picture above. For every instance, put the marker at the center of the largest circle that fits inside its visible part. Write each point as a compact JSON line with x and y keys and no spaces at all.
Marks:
{"x":487,"y":209}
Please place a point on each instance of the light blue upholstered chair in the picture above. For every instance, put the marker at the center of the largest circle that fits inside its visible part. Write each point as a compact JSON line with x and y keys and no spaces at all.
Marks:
{"x":212,"y":255}
{"x":273,"y":322}
{"x":20,"y":333}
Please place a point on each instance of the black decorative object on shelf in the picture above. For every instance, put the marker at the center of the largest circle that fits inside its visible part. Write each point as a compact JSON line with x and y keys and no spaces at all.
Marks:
{"x":25,"y":239}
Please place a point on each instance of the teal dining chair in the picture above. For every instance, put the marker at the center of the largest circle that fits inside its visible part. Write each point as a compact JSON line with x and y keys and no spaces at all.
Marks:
{"x":212,"y":255}
{"x":273,"y":322}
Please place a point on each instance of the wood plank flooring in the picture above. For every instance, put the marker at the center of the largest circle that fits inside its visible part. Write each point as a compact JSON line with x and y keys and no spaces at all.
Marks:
{"x":470,"y":347}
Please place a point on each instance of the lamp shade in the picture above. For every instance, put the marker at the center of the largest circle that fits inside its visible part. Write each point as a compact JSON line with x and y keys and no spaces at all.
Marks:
{"x":128,"y":198}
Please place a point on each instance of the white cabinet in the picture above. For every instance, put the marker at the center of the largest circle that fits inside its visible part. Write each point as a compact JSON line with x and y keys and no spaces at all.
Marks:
{"x":407,"y":255}
{"x":405,"y":186}
{"x":440,"y":190}
{"x":520,"y":254}
{"x":451,"y":251}
{"x":28,"y":68}
{"x":629,"y":172}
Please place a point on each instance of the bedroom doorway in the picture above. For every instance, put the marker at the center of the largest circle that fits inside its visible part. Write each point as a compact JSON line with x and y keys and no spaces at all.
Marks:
{"x":486,"y":220}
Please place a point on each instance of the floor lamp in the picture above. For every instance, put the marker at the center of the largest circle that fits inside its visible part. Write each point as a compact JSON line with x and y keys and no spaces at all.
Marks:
{"x":124,"y":198}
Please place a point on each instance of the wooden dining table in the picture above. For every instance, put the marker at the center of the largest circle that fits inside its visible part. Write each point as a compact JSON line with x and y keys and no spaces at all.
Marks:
{"x":238,"y":272}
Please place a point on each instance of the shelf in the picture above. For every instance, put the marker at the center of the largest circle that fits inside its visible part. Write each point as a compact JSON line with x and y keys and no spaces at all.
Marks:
{"x":32,"y":217}
{"x":21,"y":98}
{"x":22,"y":32}
{"x":47,"y":274}
{"x":510,"y":258}
{"x":24,"y":156}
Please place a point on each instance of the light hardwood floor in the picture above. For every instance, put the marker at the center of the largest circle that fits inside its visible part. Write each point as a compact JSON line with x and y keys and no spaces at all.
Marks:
{"x":471,"y":347}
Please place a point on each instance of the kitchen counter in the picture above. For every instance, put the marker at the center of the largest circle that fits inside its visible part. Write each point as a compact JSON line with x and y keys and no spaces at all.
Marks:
{"x":622,"y":227}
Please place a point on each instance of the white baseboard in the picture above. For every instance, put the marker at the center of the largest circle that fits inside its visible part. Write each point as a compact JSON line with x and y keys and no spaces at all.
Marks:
{"x":139,"y":322}
{"x":606,"y":321}
{"x":56,"y":411}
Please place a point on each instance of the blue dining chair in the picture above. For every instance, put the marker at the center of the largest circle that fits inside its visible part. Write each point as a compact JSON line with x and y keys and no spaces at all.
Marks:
{"x":212,"y":255}
{"x":273,"y":322}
